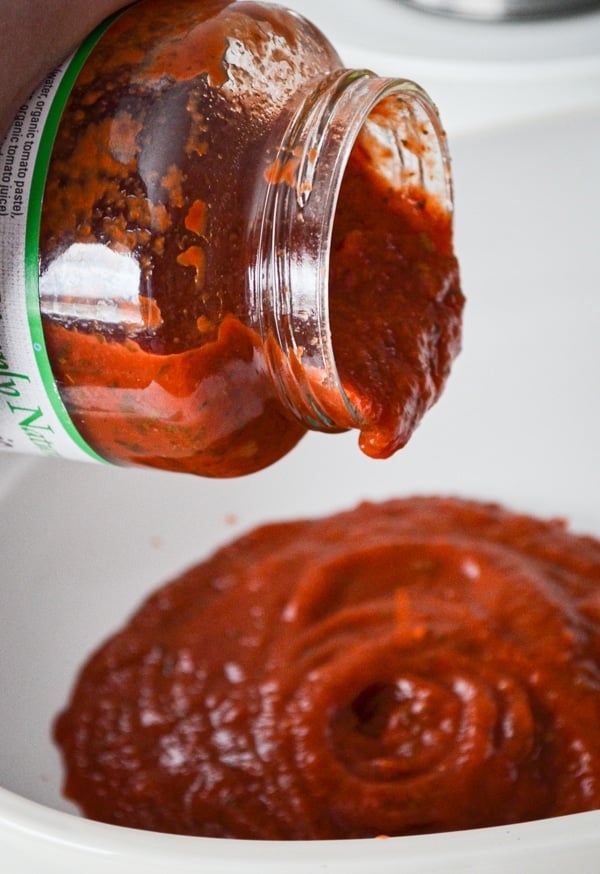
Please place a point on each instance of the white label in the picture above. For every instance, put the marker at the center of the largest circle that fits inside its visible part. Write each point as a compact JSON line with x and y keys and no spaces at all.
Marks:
{"x":32,"y":415}
{"x":28,"y":422}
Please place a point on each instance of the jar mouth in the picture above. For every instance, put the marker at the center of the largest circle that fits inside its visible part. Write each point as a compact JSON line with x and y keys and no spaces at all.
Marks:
{"x":395,"y":121}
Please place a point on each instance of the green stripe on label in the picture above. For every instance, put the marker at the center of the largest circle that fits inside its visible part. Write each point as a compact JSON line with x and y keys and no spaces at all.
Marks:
{"x":32,"y":233}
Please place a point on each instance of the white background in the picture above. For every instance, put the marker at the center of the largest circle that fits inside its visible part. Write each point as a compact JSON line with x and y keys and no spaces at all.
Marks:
{"x":519,"y":422}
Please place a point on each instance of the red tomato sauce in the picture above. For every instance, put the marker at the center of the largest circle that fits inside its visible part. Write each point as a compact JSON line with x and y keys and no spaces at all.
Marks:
{"x":395,"y":303}
{"x":417,"y":666}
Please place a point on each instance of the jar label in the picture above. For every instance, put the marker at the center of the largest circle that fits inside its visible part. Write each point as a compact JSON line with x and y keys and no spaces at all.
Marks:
{"x":33,"y":417}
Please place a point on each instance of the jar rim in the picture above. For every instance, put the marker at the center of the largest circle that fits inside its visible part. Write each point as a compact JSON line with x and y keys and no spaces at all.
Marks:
{"x":290,"y":279}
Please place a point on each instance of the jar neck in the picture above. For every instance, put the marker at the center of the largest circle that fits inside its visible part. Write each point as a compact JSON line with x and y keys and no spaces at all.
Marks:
{"x":295,"y":205}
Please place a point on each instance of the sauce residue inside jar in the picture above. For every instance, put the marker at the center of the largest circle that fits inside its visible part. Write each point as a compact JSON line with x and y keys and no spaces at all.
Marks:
{"x":155,"y":160}
{"x":421,"y":665}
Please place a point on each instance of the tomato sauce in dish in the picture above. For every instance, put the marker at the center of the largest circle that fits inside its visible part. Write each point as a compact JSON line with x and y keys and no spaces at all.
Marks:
{"x":416,"y":666}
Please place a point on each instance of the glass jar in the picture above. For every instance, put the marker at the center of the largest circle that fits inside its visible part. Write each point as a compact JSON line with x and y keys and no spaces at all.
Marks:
{"x":229,"y":225}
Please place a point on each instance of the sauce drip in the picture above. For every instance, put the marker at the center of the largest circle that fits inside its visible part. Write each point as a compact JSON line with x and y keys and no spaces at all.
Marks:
{"x":395,"y":303}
